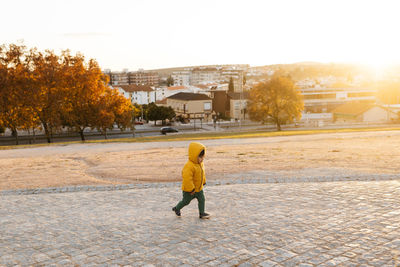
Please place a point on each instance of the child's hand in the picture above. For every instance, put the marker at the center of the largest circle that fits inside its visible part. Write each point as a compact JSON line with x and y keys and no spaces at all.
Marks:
{"x":192,"y":193}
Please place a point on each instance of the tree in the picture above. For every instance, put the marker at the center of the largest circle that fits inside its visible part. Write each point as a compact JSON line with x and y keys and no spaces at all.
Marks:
{"x":170,"y":81}
{"x":15,"y":107}
{"x":42,"y":88}
{"x":137,"y":109}
{"x":85,"y":84}
{"x":166,"y":113}
{"x":47,"y":90}
{"x":153,"y":113}
{"x":112,"y":108}
{"x":123,"y":111}
{"x":105,"y":117}
{"x":231,"y":87}
{"x":156,"y":113}
{"x":144,"y":112}
{"x":277,"y":100}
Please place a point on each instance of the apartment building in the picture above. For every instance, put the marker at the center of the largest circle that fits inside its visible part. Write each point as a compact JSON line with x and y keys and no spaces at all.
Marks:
{"x":205,"y":75}
{"x":136,"y":77}
{"x":143,"y":78}
{"x":181,"y":78}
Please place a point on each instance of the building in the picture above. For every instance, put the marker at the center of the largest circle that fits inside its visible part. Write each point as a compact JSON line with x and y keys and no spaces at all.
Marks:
{"x":139,"y":94}
{"x":163,"y":92}
{"x":230,"y":104}
{"x":220,"y":103}
{"x":236,"y":76}
{"x":162,"y":102}
{"x":137,"y":77}
{"x":172,"y":90}
{"x":181,"y":78}
{"x":205,"y":75}
{"x":191,"y":105}
{"x":118,"y":78}
{"x":238,"y":105}
{"x":324,"y":100}
{"x":362,"y":112}
{"x":143,"y":78}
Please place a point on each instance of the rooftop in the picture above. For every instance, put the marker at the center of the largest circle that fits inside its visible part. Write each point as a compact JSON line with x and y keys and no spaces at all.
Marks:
{"x":135,"y":88}
{"x":189,"y":96}
{"x":178,"y":87}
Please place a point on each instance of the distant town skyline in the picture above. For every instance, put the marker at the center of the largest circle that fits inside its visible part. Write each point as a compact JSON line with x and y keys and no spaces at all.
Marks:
{"x":155,"y":34}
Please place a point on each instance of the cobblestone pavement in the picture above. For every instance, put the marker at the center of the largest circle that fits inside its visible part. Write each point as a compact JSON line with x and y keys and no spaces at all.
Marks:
{"x":287,"y":224}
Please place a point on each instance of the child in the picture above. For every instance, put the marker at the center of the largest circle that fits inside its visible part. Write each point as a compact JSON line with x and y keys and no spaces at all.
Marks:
{"x":193,"y":180}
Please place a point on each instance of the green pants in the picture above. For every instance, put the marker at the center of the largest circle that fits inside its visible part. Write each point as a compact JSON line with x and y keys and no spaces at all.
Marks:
{"x":187,"y":197}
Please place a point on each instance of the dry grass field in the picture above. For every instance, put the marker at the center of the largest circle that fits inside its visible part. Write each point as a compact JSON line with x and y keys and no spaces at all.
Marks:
{"x":120,"y":163}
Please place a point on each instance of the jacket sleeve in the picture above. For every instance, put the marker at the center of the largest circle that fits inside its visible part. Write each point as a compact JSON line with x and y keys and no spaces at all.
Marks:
{"x":187,"y":182}
{"x":204,"y":174}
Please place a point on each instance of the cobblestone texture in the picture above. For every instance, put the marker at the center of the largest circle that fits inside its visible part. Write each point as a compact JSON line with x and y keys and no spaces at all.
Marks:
{"x":246,"y":180}
{"x":352,"y":223}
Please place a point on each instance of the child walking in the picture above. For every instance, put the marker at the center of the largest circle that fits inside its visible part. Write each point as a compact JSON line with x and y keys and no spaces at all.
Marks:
{"x":193,"y":180}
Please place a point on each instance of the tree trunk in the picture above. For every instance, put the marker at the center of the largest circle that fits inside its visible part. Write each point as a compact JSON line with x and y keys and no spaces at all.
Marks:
{"x":105,"y":134}
{"x":30,"y":137}
{"x":46,"y":130}
{"x":82,"y":135}
{"x":15,"y":134}
{"x":278,"y":125}
{"x":34,"y":136}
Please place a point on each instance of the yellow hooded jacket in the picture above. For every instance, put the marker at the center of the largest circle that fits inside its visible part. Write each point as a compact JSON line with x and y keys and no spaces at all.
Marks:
{"x":193,"y":175}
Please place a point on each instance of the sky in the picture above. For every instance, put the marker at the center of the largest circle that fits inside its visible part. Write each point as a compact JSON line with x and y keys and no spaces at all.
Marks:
{"x":151,"y":34}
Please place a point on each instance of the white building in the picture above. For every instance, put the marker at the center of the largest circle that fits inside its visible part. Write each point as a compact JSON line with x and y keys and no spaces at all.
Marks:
{"x":205,"y":75}
{"x":182,"y":78}
{"x":140,"y":94}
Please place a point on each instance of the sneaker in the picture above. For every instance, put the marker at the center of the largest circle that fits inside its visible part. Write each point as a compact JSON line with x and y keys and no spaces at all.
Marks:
{"x":177,"y":212}
{"x":205,"y":216}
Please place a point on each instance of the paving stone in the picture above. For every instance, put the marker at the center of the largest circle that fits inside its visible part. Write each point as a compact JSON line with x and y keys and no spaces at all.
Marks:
{"x":268,"y":263}
{"x":345,"y":223}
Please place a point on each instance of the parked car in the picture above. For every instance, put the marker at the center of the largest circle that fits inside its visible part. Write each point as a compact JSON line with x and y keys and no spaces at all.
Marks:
{"x":139,"y":122}
{"x":165,"y":130}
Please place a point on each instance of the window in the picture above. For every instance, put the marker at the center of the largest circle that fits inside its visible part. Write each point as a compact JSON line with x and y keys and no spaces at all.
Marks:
{"x":207,"y":106}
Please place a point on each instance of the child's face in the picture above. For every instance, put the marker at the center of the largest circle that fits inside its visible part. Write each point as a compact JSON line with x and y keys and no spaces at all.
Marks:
{"x":200,"y":159}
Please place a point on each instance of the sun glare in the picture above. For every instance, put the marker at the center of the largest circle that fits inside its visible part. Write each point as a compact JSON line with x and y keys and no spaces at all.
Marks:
{"x":378,"y":66}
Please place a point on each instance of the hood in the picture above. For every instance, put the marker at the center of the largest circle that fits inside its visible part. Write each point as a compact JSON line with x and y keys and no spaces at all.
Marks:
{"x":194,"y":151}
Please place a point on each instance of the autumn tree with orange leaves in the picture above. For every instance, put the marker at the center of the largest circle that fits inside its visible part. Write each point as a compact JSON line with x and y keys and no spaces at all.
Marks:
{"x":42,"y":89}
{"x":48,"y":90}
{"x":114,"y":108}
{"x":277,"y":100}
{"x":15,"y":106}
{"x":85,"y":84}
